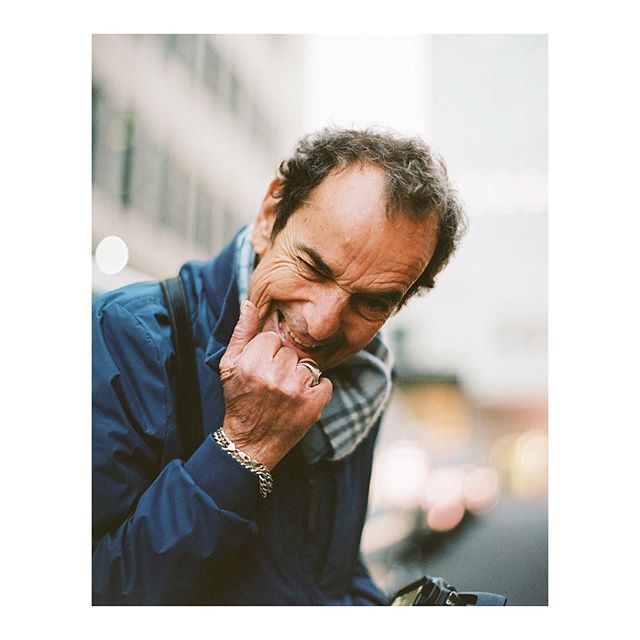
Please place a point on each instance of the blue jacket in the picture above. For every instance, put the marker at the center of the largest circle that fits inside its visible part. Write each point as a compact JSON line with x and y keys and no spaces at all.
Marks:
{"x":196,"y":531}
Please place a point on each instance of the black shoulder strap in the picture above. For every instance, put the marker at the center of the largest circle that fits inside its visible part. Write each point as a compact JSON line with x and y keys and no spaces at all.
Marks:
{"x":187,"y":385}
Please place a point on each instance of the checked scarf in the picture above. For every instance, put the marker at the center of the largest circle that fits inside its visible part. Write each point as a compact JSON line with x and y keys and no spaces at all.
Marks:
{"x":361,"y":385}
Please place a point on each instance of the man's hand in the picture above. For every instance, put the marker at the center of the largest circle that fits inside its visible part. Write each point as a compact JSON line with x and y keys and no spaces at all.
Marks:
{"x":270,"y":404}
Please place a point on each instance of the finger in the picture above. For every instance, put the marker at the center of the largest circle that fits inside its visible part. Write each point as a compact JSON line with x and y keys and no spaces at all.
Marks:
{"x":303,"y":374}
{"x":323,"y":390}
{"x":287,"y":359}
{"x":245,"y":329}
{"x":307,"y":373}
{"x":263,"y":309}
{"x":263,"y":347}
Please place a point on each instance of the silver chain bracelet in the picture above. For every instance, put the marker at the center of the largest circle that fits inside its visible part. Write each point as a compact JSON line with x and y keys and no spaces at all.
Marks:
{"x":264,"y":476}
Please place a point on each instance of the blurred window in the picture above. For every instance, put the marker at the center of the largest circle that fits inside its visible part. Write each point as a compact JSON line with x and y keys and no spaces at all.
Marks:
{"x":127,"y":160}
{"x":183,"y":46}
{"x":168,"y":43}
{"x":96,"y":104}
{"x":203,"y":226}
{"x":109,"y":144}
{"x":173,"y":198}
{"x":212,"y":69}
{"x":146,"y":173}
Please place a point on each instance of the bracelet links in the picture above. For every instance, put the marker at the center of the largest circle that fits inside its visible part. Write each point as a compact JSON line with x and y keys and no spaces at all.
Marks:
{"x":264,"y":476}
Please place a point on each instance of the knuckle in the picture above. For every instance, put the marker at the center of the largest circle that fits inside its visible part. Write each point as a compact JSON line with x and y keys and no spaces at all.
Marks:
{"x":270,"y":383}
{"x":291,"y":388}
{"x":228,"y":366}
{"x":241,"y":366}
{"x":247,"y":372}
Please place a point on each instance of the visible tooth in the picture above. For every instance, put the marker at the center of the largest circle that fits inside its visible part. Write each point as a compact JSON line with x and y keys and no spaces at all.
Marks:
{"x":288,"y":331}
{"x":302,"y":344}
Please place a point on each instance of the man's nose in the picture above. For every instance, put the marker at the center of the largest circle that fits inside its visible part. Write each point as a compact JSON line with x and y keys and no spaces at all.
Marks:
{"x":325,"y":314}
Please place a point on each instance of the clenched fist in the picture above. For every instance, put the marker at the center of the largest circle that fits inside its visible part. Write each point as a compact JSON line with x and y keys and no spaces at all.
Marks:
{"x":269,"y":401}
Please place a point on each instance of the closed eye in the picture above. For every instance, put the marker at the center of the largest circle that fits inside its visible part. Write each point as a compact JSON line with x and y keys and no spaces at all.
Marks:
{"x":377,"y":305}
{"x":372,"y":308}
{"x":314,"y":270}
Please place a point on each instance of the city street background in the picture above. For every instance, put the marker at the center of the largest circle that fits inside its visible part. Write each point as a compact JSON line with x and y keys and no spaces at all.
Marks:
{"x":188,"y":131}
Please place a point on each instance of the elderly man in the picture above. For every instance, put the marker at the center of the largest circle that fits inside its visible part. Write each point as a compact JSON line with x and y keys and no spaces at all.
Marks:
{"x":293,"y":379}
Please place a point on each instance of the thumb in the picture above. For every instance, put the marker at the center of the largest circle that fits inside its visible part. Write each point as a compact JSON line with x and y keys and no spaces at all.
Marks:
{"x":245,"y":330}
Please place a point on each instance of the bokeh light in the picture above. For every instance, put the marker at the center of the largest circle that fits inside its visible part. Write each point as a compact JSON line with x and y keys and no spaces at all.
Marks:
{"x":531,"y":451}
{"x":112,"y":255}
{"x":402,"y":474}
{"x":522,"y":460}
{"x":445,"y":516}
{"x":444,"y":486}
{"x":481,"y":490}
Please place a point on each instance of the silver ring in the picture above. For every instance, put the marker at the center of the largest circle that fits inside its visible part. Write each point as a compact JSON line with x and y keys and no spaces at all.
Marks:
{"x":314,"y":368}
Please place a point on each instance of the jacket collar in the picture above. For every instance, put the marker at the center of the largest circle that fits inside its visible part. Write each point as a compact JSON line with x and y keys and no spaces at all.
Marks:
{"x":219,"y":276}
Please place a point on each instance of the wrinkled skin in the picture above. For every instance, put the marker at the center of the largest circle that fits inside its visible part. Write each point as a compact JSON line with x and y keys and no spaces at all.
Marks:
{"x":269,"y":402}
{"x":322,"y":289}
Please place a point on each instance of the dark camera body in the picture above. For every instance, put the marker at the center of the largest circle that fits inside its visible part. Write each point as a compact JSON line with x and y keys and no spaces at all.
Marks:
{"x":431,"y":591}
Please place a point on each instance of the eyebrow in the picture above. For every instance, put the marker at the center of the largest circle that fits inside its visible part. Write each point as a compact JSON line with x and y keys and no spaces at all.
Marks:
{"x":393,"y":296}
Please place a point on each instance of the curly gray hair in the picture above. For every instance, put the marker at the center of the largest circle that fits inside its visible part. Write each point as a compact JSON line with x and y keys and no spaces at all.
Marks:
{"x":417,"y":183}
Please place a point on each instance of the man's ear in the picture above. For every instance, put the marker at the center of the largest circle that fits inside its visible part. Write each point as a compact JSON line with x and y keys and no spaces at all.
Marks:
{"x":261,"y":235}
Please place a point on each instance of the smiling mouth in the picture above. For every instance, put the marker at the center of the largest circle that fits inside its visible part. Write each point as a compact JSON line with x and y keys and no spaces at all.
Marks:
{"x":286,"y":333}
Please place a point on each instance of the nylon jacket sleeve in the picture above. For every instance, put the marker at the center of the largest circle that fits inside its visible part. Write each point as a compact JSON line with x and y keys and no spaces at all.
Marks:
{"x":156,"y":532}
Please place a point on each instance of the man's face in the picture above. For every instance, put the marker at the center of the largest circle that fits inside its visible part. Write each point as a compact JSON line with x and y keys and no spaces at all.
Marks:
{"x":330,"y":279}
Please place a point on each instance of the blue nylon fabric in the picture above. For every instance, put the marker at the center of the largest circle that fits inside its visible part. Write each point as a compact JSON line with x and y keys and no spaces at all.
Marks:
{"x":170,"y":531}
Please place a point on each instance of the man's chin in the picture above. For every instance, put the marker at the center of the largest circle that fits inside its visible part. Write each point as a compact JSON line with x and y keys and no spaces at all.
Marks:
{"x":325,"y":357}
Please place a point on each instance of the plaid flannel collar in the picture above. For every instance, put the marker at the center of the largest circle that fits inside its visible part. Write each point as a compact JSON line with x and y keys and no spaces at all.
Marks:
{"x":361,"y":385}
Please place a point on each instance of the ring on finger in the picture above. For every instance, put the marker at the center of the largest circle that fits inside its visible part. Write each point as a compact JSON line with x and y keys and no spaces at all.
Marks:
{"x":314,"y":368}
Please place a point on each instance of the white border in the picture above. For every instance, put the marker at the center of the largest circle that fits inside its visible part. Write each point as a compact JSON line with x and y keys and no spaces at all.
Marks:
{"x":593,"y":329}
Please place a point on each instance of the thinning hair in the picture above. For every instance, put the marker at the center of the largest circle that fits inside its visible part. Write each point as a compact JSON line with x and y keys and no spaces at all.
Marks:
{"x":417,"y":183}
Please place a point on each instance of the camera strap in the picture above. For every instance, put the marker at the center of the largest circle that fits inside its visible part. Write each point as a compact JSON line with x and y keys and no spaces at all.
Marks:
{"x":189,"y":415}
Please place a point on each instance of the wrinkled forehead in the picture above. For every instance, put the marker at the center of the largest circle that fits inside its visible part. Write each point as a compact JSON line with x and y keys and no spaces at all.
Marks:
{"x":354,"y":192}
{"x":346,"y":221}
{"x":368,"y":248}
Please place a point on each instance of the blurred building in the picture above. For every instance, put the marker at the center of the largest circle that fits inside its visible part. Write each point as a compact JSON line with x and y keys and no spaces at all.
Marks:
{"x":459,"y":481}
{"x":486,"y":320}
{"x":187,"y":134}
